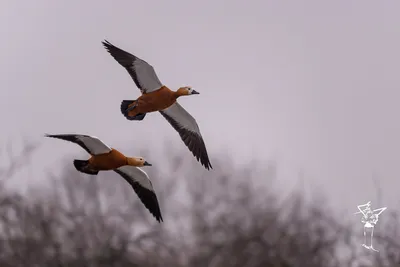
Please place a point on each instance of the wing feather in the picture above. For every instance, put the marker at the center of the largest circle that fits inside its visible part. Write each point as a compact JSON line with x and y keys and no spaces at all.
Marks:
{"x":143,"y":187}
{"x":142,"y":73}
{"x":92,"y":144}
{"x":189,"y":132}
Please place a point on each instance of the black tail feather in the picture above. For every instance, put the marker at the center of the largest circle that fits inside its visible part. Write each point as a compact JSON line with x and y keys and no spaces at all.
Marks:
{"x":82,"y":166}
{"x":124,"y":106}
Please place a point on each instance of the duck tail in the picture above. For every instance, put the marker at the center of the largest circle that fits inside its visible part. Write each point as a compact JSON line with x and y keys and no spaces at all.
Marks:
{"x":82,"y":166}
{"x":125,"y":105}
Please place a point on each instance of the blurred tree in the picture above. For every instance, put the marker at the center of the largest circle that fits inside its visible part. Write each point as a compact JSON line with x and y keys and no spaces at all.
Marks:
{"x":215,"y":219}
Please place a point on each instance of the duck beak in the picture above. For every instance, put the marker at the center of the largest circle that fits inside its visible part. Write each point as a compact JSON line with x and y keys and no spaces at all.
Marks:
{"x":147,"y":164}
{"x":194,"y":92}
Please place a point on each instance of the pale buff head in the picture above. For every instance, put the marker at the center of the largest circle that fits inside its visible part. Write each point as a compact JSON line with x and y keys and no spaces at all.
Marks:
{"x":187,"y":90}
{"x":137,"y":161}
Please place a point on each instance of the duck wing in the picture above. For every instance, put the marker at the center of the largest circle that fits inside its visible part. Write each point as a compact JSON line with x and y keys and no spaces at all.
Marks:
{"x":142,"y":73}
{"x":189,"y":132}
{"x":92,"y":144}
{"x":141,"y":184}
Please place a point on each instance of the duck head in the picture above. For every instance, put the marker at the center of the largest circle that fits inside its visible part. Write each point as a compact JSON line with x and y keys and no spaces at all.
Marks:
{"x":186,"y":90}
{"x":137,"y":162}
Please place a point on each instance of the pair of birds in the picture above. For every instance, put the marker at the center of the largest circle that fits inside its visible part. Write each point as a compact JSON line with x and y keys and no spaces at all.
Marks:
{"x":155,"y":97}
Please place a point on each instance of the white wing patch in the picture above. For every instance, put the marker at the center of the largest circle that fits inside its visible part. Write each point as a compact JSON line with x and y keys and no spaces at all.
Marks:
{"x":94,"y":144}
{"x":181,"y":116}
{"x":146,"y":76}
{"x":137,"y":175}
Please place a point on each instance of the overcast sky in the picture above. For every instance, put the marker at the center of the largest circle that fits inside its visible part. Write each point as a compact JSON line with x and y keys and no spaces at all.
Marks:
{"x":312,"y":84}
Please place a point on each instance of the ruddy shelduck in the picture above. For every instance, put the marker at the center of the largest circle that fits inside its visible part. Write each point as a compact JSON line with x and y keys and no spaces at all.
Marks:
{"x":105,"y":158}
{"x":157,"y":97}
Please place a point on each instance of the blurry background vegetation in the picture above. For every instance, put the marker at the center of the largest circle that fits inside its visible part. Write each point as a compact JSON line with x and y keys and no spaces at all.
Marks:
{"x":217,"y":219}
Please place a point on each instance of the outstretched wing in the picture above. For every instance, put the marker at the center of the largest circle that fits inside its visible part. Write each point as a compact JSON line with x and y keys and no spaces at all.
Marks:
{"x":141,"y":184}
{"x":189,"y":132}
{"x":91,"y":144}
{"x":142,"y":73}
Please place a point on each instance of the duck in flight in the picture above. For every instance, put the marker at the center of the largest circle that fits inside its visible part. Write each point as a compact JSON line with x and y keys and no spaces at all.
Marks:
{"x":105,"y":158}
{"x":157,"y":97}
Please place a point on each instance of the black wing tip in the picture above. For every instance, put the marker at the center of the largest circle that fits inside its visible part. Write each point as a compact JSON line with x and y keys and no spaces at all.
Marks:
{"x":58,"y":135}
{"x":121,"y":56}
{"x":208,"y":166}
{"x":155,"y":210}
{"x":159,"y":218}
{"x":202,"y":156}
{"x":106,"y":43}
{"x":66,"y":137}
{"x":203,"y":159}
{"x":53,"y":135}
{"x":147,"y":197}
{"x":110,"y":47}
{"x":156,"y":213}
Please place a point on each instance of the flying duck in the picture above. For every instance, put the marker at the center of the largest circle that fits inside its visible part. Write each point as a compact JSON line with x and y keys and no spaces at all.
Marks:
{"x":157,"y":97}
{"x":105,"y":158}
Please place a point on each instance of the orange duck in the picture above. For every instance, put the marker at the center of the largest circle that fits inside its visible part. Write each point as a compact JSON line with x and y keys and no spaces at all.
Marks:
{"x":105,"y":158}
{"x":157,"y":97}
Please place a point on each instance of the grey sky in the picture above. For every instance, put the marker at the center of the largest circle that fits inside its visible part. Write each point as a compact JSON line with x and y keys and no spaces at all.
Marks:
{"x":310,"y":83}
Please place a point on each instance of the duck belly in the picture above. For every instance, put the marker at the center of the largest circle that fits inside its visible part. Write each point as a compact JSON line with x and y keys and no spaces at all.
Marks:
{"x":107,"y":161}
{"x":155,"y":101}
